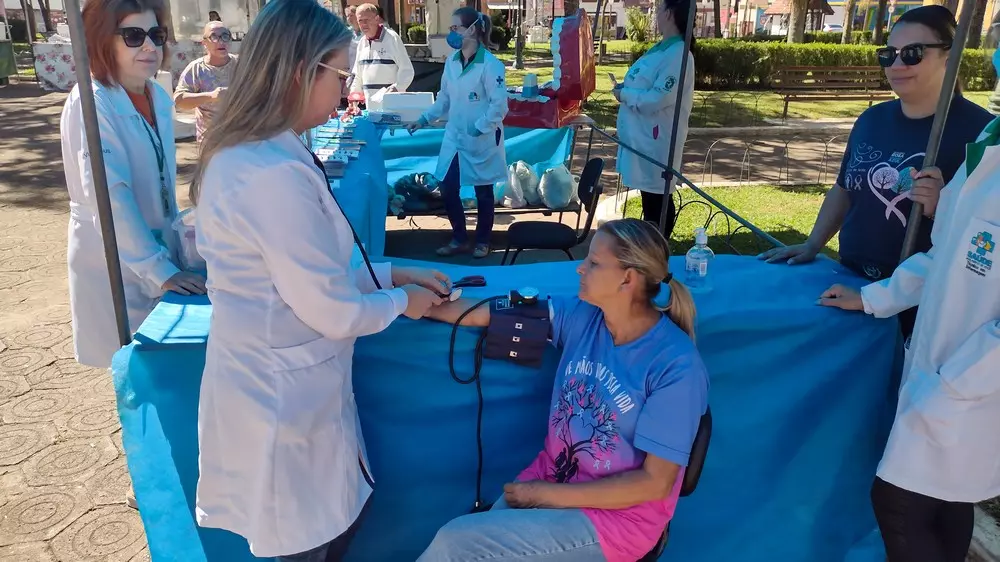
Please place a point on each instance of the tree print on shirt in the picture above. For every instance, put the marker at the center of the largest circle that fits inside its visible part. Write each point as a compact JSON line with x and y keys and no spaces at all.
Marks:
{"x":586,"y":425}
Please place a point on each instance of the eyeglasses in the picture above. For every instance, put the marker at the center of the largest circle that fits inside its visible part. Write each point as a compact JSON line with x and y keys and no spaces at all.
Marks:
{"x":136,"y":36}
{"x":223,"y":37}
{"x":911,"y":55}
{"x":342,"y":73}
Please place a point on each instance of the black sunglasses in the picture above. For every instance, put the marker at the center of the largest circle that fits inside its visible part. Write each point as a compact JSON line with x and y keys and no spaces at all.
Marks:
{"x":911,"y":55}
{"x":136,"y":36}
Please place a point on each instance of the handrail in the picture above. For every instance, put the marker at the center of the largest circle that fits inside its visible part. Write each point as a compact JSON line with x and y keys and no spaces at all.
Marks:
{"x":680,"y":177}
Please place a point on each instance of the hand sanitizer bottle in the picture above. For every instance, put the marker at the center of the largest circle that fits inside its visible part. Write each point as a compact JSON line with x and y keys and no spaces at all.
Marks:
{"x":697,"y":263}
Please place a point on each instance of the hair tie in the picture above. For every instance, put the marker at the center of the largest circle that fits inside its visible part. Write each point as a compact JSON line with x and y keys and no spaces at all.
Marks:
{"x":662,"y":298}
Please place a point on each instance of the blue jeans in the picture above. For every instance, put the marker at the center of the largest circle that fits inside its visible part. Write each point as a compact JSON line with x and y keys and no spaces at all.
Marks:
{"x":549,"y":535}
{"x":450,"y":188}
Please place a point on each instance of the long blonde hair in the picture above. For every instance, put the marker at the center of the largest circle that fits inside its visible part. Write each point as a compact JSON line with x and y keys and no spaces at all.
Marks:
{"x":288,"y":37}
{"x":640,"y":246}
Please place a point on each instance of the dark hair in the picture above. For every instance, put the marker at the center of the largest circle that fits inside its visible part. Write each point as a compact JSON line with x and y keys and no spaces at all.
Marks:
{"x":100,"y":28}
{"x":681,"y":10}
{"x":480,"y":22}
{"x":936,"y":18}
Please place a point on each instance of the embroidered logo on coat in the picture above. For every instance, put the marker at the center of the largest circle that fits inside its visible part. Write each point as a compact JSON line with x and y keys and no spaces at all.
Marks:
{"x":976,"y":259}
{"x":670,"y":83}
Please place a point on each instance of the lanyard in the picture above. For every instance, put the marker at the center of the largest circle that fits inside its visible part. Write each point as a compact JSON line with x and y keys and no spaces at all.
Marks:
{"x":161,"y":157}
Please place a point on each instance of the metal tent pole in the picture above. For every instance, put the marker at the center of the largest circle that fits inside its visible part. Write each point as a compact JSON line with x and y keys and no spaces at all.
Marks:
{"x":940,"y":118}
{"x":93,"y":131}
{"x":668,"y":175}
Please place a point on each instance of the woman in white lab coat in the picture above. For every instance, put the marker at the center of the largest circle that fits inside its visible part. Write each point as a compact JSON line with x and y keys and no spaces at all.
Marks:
{"x":282,"y":460}
{"x":125,"y":45}
{"x":943,"y":454}
{"x":648,"y":98}
{"x":473,"y":99}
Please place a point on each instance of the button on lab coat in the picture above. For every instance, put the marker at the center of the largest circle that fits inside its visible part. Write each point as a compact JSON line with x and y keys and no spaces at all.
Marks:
{"x":147,"y":244}
{"x":475,"y":96}
{"x":282,"y":459}
{"x":944,"y":442}
{"x":646,"y":114}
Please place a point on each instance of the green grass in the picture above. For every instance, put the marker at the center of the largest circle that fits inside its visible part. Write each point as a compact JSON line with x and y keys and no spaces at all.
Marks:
{"x":711,"y":109}
{"x":785,"y":212}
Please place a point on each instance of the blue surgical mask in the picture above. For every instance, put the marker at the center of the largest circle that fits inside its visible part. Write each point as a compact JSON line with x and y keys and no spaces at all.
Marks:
{"x":454,"y":39}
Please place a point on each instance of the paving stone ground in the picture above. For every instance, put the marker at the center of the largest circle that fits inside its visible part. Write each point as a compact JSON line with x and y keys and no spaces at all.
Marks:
{"x":62,"y":468}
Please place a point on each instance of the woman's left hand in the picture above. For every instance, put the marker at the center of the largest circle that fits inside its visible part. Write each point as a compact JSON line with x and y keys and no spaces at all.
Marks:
{"x":526,"y":494}
{"x":617,"y":92}
{"x":927,"y":186}
{"x":430,"y":279}
{"x":473,"y":130}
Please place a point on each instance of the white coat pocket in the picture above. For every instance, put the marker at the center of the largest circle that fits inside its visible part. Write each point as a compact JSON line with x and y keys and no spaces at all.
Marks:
{"x":929,"y":410}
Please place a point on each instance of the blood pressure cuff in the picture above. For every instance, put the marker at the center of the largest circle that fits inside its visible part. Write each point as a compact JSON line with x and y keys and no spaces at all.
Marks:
{"x":518,"y":332}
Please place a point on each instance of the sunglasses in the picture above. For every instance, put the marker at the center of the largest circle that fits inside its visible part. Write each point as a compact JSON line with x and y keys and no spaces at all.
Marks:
{"x":223,"y":37}
{"x":342,"y":73}
{"x":136,"y":36}
{"x":911,"y":55}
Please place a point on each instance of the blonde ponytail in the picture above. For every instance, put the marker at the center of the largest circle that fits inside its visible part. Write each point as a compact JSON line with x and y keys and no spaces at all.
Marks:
{"x":681,"y":309}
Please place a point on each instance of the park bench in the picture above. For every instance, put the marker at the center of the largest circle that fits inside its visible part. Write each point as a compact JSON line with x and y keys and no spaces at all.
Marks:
{"x":826,"y":83}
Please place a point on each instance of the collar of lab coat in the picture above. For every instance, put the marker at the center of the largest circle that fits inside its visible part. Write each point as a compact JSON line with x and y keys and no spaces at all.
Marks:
{"x":975,"y":151}
{"x":292,"y":144}
{"x":122,"y":105}
{"x":476,"y":58}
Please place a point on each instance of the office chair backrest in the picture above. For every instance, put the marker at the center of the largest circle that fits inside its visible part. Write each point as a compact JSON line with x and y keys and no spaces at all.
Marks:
{"x":699,"y":450}
{"x":589,"y":191}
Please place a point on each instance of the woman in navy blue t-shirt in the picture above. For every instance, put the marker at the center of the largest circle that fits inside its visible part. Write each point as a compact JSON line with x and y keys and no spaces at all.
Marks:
{"x":870,"y":203}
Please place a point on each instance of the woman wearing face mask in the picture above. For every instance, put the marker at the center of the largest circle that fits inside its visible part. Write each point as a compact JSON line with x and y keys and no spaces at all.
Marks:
{"x":941,"y":458}
{"x":649,"y":96}
{"x":125,"y":44}
{"x":473,"y":98}
{"x":282,"y":458}
{"x":606,"y":483}
{"x":870,"y":203}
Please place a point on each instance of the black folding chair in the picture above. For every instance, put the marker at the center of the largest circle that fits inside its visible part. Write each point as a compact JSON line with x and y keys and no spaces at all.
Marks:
{"x":699,"y":449}
{"x":542,"y":235}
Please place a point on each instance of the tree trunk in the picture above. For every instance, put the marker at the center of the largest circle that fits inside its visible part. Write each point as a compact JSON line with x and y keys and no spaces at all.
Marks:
{"x":797,"y":21}
{"x":43,"y":5}
{"x":29,"y":18}
{"x":976,"y":29}
{"x":736,"y":14}
{"x":849,"y":6}
{"x":878,"y":37}
{"x":718,"y":18}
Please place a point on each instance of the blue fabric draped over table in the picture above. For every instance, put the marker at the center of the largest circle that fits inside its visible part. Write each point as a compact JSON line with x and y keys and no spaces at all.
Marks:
{"x":802,"y":398}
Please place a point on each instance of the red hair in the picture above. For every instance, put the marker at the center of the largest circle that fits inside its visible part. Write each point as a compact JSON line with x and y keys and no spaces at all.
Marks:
{"x":101,"y":19}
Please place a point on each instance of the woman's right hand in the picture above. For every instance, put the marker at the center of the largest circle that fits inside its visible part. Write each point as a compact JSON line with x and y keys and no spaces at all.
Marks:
{"x":185,"y":283}
{"x":419,"y":301}
{"x":792,"y":255}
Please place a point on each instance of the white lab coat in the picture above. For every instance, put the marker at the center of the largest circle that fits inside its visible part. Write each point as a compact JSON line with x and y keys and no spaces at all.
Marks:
{"x":282,"y":460}
{"x":646,"y":114}
{"x":147,"y":245}
{"x":380,"y":64}
{"x":475,"y":96}
{"x":944,"y":442}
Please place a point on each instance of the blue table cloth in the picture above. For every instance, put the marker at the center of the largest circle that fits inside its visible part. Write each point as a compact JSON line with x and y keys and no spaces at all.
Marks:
{"x":802,"y":398}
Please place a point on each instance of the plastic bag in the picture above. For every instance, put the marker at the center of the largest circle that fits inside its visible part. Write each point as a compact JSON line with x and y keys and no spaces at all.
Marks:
{"x":528,"y":181}
{"x":420,"y":192}
{"x":557,"y":187}
{"x":514,"y":194}
{"x":183,"y":225}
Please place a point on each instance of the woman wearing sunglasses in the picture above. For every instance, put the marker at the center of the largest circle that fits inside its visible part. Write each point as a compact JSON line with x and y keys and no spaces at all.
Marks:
{"x":282,"y":459}
{"x":126,"y":41}
{"x":870,"y":203}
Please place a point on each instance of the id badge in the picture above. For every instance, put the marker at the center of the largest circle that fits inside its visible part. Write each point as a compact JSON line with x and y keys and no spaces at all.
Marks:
{"x":165,"y":200}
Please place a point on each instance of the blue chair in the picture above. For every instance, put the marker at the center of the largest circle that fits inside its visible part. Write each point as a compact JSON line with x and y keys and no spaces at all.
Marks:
{"x":699,"y":450}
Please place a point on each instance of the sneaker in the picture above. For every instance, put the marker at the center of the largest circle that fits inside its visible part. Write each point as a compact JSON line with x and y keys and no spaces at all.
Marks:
{"x":481,"y":251}
{"x":452,"y":248}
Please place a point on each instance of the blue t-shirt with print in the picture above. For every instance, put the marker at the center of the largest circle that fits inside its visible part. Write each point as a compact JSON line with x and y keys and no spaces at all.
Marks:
{"x":882,"y":149}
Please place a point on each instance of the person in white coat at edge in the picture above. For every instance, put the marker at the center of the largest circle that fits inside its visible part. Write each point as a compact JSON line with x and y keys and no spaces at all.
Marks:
{"x":473,"y":99}
{"x":648,"y":98}
{"x":943,"y":454}
{"x":125,"y":44}
{"x":282,"y":459}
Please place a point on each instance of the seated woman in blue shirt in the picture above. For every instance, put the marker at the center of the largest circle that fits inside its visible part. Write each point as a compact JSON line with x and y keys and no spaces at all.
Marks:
{"x":870,"y":203}
{"x":629,"y":393}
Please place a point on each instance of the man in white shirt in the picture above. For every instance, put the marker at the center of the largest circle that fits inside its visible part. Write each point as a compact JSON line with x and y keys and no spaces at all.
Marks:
{"x":381,"y":64}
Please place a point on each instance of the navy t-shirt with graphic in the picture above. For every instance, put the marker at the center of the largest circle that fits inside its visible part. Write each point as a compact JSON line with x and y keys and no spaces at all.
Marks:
{"x":883,"y":147}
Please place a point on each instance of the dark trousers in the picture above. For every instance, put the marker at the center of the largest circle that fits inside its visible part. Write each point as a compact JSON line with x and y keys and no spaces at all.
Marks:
{"x":333,"y":551}
{"x":652,"y":207}
{"x":450,"y":188}
{"x":918,"y":528}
